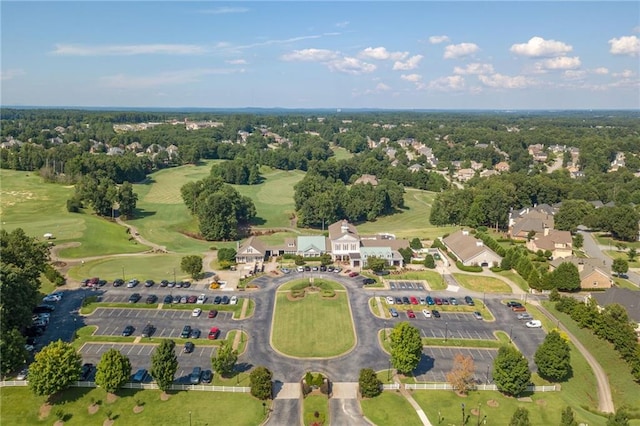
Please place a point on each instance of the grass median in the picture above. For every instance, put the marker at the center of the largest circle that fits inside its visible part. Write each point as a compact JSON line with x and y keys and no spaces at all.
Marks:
{"x":481,"y":284}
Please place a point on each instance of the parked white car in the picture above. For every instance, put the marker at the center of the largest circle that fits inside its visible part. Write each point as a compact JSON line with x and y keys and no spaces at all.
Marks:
{"x":426,"y":313}
{"x":196,"y":312}
{"x":201,"y":299}
{"x":534,"y":324}
{"x":50,"y":298}
{"x":234,"y":300}
{"x":389,"y":300}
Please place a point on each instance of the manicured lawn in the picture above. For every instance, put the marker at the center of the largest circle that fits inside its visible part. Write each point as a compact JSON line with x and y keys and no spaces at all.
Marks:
{"x":313,"y":404}
{"x":411,"y":222}
{"x":390,"y":409}
{"x":623,"y":389}
{"x":605,"y":240}
{"x":29,"y":203}
{"x":482,"y":284}
{"x":156,"y":267}
{"x":517,"y":279}
{"x":623,"y":255}
{"x":332,"y":284}
{"x":341,"y":153}
{"x":625,"y":284}
{"x":434,"y":279}
{"x":20,"y":407}
{"x":312,"y":326}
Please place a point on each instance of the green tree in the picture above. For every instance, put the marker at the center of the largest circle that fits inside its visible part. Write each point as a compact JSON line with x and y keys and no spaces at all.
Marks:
{"x":12,"y":352}
{"x":370,"y":385}
{"x":192,"y":265}
{"x":620,"y":266}
{"x":406,"y":347}
{"x":520,"y":417}
{"x":571,"y":214}
{"x":325,"y":259}
{"x":619,"y":418}
{"x":511,"y":371}
{"x":260,"y":382}
{"x":113,"y":370}
{"x":415,"y":243}
{"x":225,"y":359}
{"x":553,"y":358}
{"x":429,"y":261}
{"x":376,"y":264}
{"x":127,"y":199}
{"x":566,"y":277}
{"x":164,"y":364}
{"x":55,"y":368}
{"x":632,"y":254}
{"x":227,"y":254}
{"x":578,"y":241}
{"x":568,"y":418}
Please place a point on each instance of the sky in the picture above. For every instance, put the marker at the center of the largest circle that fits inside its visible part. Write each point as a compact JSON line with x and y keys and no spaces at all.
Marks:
{"x":310,"y":54}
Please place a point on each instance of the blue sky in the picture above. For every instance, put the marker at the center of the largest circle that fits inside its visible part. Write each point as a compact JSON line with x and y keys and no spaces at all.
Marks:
{"x":396,"y":55}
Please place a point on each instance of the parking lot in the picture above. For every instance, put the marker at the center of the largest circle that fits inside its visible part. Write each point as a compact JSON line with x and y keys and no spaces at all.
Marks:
{"x":140,"y":357}
{"x":436,"y":362}
{"x":406,"y":285}
{"x":168,"y":323}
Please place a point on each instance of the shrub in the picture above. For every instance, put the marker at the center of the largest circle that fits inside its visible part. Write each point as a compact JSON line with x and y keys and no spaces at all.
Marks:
{"x":325,"y":387}
{"x":495,"y":269}
{"x":318,"y":380}
{"x":53,"y":275}
{"x":370,"y":385}
{"x":462,"y":267}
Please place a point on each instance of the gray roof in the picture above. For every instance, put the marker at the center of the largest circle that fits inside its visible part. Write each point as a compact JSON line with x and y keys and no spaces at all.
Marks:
{"x":465,"y":246}
{"x":629,"y":299}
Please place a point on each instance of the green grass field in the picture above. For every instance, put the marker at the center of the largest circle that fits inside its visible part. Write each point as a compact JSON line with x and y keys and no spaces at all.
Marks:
{"x":312,"y":327}
{"x":390,"y":409}
{"x":434,"y":279}
{"x":156,"y":267}
{"x":482,"y":284}
{"x":20,"y":407}
{"x":517,"y":279}
{"x":29,"y":203}
{"x":313,"y":404}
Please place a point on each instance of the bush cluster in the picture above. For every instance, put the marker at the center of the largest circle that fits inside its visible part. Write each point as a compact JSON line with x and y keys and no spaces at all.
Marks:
{"x":465,"y":268}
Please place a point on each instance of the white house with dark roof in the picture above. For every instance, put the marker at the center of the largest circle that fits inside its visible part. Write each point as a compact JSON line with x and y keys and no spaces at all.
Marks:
{"x":344,"y":239}
{"x":469,"y":250}
{"x":252,"y":250}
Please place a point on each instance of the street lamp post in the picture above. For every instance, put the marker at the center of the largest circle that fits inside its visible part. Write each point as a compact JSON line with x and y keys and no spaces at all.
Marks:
{"x":389,"y":371}
{"x":510,"y":333}
{"x":478,"y":424}
{"x":123,"y":273}
{"x":446,"y":330}
{"x":189,"y":418}
{"x":462,"y":413}
{"x":487,"y":374}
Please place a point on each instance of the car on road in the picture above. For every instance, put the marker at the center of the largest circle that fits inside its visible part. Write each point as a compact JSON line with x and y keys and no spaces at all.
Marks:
{"x":128,"y":331}
{"x":195,"y":333}
{"x":86,"y":370}
{"x":217,"y":300}
{"x":389,"y":300}
{"x":188,"y":347}
{"x":186,"y":332}
{"x":286,"y":270}
{"x":353,"y":274}
{"x":411,"y":314}
{"x":22,"y":375}
{"x":213,"y":313}
{"x":524,"y":317}
{"x":196,"y":312}
{"x":213,"y":333}
{"x":52,"y":298}
{"x":201,"y":299}
{"x":393,"y":312}
{"x":134,"y":298}
{"x":168,"y":299}
{"x":140,"y":375}
{"x":512,"y":303}
{"x":233,"y":300}
{"x":534,"y":324}
{"x":207,"y":376}
{"x":368,"y":281}
{"x":469,"y":301}
{"x":149,"y":283}
{"x":224,"y":300}
{"x":45,"y":307}
{"x":132,"y":283}
{"x":519,"y":308}
{"x":435,"y":313}
{"x":194,"y":377}
{"x":152,"y":298}
{"x":426,"y":313}
{"x":148,"y":330}
{"x":430,"y":301}
{"x":477,"y":315}
{"x":413,"y":300}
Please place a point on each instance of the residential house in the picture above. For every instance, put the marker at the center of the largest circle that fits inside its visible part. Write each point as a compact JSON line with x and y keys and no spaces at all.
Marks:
{"x":530,"y":219}
{"x":469,"y":250}
{"x":593,"y":273}
{"x":364,"y":179}
{"x":415,"y":168}
{"x":115,"y":150}
{"x":465,"y":174}
{"x":251,"y":251}
{"x":311,"y":246}
{"x":628,"y":299}
{"x":345,"y":241}
{"x":559,"y":243}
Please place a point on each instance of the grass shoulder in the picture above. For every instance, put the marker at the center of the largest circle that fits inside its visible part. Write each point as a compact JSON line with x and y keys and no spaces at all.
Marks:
{"x":481,"y":283}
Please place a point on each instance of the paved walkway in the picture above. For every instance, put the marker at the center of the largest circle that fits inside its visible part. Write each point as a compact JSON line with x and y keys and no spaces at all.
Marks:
{"x":423,"y":417}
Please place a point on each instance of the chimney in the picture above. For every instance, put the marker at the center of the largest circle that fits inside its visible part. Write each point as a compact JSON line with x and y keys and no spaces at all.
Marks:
{"x":345,"y":227}
{"x":546,"y":230}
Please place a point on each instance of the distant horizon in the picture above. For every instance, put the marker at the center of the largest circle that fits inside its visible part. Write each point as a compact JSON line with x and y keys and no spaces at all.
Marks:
{"x":405,"y":55}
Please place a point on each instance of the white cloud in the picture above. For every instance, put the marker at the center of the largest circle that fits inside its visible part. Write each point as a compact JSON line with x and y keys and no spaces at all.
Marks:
{"x":574,"y":74}
{"x":414,"y":78}
{"x":449,"y":83}
{"x":627,"y":45}
{"x":624,"y":74}
{"x":10,"y":74}
{"x":237,"y":62}
{"x":123,"y":81}
{"x":537,"y":47}
{"x":310,"y":55}
{"x":438,"y":39}
{"x":342,"y":24}
{"x":474,"y":68}
{"x":600,"y":70}
{"x":349,"y":65}
{"x":636,"y":29}
{"x":382,"y":87}
{"x":284,"y":41}
{"x":224,"y":10}
{"x":559,"y":63}
{"x":410,"y":64}
{"x":500,"y":81}
{"x":128,"y":49}
{"x":460,"y":50}
{"x":382,"y":53}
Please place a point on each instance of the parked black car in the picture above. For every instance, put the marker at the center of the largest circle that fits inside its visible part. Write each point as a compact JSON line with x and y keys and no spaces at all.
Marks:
{"x":128,"y":331}
{"x":188,"y":347}
{"x":152,"y":298}
{"x":207,"y":376}
{"x":368,"y":281}
{"x":168,"y":299}
{"x":148,"y":330}
{"x":186,"y":332}
{"x":134,"y":298}
{"x":469,"y":301}
{"x":86,"y":370}
{"x":217,"y":300}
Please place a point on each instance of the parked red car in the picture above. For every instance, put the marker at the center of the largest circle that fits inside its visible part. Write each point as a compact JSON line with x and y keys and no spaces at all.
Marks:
{"x":213,"y":313}
{"x":438,"y":301}
{"x":411,"y":314}
{"x":519,"y":309}
{"x":353,"y":274}
{"x":213,"y":333}
{"x":414,"y":300}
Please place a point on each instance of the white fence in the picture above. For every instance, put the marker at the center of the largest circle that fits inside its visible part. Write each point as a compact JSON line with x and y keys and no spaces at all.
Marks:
{"x":206,"y":388}
{"x":447,"y":386}
{"x":391,"y":386}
